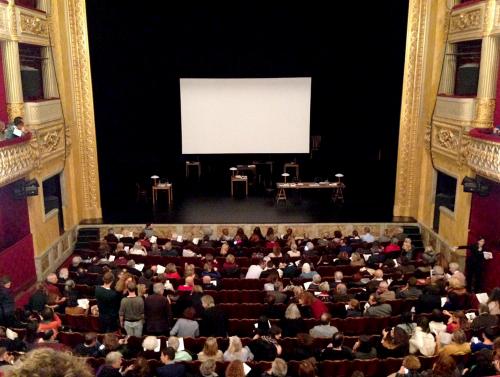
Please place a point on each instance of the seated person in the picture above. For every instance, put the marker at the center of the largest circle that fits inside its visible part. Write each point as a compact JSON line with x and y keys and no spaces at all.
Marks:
{"x":489,"y":335}
{"x":377,"y":308}
{"x":89,"y":347}
{"x":336,"y":349}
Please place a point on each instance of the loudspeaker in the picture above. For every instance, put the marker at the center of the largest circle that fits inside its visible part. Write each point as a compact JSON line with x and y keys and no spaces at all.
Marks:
{"x":25,"y":188}
{"x":475,"y":185}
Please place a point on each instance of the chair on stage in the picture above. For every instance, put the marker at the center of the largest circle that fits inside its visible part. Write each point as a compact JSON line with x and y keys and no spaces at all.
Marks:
{"x":141,"y":193}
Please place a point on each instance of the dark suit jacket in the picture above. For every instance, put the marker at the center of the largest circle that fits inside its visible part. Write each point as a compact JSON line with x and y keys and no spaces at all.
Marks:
{"x":213,"y":322}
{"x":171,"y":370}
{"x":157,"y":313}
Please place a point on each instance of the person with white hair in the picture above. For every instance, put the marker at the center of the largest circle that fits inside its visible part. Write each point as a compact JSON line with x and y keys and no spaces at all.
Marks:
{"x":294,"y":252}
{"x":75,"y":263}
{"x":157,"y":311}
{"x":338,"y":276}
{"x":150,"y":343}
{"x":112,"y":365}
{"x":383,"y":293}
{"x":138,"y":249}
{"x":456,"y":273}
{"x":316,"y":281}
{"x":63,"y":275}
{"x":236,"y":351}
{"x":255,"y":270}
{"x":183,"y":355}
{"x":307,"y":273}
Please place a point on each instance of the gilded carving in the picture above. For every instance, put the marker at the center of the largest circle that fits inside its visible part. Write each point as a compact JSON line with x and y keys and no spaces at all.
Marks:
{"x":50,"y":141}
{"x":485,"y":108}
{"x":447,"y":139}
{"x":83,"y":105}
{"x":34,"y":25}
{"x":407,"y":176}
{"x":466,"y":21}
{"x":15,"y":110}
{"x":483,"y":156}
{"x":15,"y":162}
{"x":427,"y":137}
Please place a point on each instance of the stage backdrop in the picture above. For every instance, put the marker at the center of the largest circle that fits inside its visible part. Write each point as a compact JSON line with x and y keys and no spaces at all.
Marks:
{"x":485,"y":222}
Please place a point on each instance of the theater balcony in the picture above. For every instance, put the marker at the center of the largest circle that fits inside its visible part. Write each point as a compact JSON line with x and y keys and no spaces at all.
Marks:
{"x":483,"y":153}
{"x":16,"y":159}
{"x":41,"y":112}
{"x":455,"y":108}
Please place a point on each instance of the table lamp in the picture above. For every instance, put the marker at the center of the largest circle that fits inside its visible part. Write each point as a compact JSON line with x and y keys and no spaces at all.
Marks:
{"x":155,"y":179}
{"x":285,"y":175}
{"x":339,"y":175}
{"x":233,"y":170}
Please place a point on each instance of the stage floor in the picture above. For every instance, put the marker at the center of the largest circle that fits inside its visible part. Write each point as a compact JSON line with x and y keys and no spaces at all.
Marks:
{"x":196,"y":208}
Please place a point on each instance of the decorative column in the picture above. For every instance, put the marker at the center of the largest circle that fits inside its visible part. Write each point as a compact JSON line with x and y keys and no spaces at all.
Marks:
{"x":486,"y":90}
{"x":43,"y":5}
{"x":13,"y":84}
{"x":50,"y":89}
{"x":447,"y":83}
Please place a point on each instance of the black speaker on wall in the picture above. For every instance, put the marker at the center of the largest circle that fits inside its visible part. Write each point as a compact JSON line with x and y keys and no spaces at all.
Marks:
{"x":24,"y":188}
{"x":475,"y":186}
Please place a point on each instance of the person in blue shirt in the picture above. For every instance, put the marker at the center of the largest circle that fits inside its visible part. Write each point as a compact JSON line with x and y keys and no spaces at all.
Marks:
{"x":489,"y":335}
{"x":171,"y":368}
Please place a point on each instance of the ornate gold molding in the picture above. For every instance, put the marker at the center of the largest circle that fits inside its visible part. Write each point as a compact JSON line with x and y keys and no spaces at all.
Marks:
{"x":15,"y":110}
{"x":466,"y":21}
{"x":485,"y":108}
{"x":407,"y":174}
{"x":34,"y":25}
{"x":83,"y":107}
{"x":483,"y":156}
{"x":16,"y":161}
{"x":447,"y":139}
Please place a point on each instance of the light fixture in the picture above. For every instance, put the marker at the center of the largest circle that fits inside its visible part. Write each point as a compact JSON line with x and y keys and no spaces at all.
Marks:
{"x":285,"y":175}
{"x":155,"y":179}
{"x":233,"y":170}
{"x":339,"y":175}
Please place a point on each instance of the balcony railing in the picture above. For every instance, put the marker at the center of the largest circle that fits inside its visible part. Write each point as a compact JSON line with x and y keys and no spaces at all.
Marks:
{"x":483,"y":153}
{"x":41,"y":112}
{"x":16,"y":159}
{"x":460,"y":109}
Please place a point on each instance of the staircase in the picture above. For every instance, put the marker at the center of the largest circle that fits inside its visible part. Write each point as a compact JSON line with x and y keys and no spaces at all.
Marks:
{"x":413,"y":232}
{"x":85,"y":236}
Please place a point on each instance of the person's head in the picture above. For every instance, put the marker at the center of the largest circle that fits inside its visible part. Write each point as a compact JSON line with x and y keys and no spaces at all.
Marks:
{"x":110,"y":341}
{"x":373,"y":300}
{"x":207,"y":301}
{"x":275,"y":332}
{"x":367,"y":229}
{"x":309,"y":246}
{"x":230,"y":259}
{"x":131,"y":263}
{"x":343,"y":255}
{"x":173,"y":342}
{"x":189,"y":281}
{"x":325,"y":318}
{"x":337,"y":339}
{"x":306,"y":298}
{"x":224,"y":249}
{"x":338,"y":275}
{"x":453,"y":266}
{"x":235,"y":369}
{"x":437,"y":271}
{"x":108,"y":278}
{"x":324,"y":287}
{"x":382,"y":287}
{"x":189,"y":313}
{"x":279,"y":368}
{"x":64,"y":273}
{"x":411,"y":363}
{"x":52,"y":363}
{"x":292,"y":312}
{"x":354,"y":304}
{"x":423,"y":323}
{"x":459,"y":337}
{"x":444,"y":366}
{"x":365,"y":344}
{"x":18,"y":122}
{"x":158,"y":288}
{"x":484,"y":309}
{"x":355,"y":257}
{"x":399,"y":336}
{"x":378,"y":274}
{"x":114,"y":359}
{"x":489,"y":333}
{"x":167,"y":355}
{"x":69,"y":285}
{"x":481,"y":241}
{"x":206,"y":279}
{"x":495,"y":294}
{"x":210,"y":348}
{"x":341,"y":289}
{"x":316,"y":279}
{"x":207,"y":368}
{"x":132,"y":287}
{"x":455,"y":283}
{"x":307,"y":369}
{"x":52,"y":278}
{"x":90,"y":339}
{"x":149,"y":343}
{"x":47,"y":314}
{"x":5,"y":281}
{"x":235,"y":345}
{"x":406,"y":317}
{"x":337,"y":234}
{"x":306,"y":268}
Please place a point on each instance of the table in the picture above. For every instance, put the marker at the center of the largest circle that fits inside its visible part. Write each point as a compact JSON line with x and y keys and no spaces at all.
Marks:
{"x":291,"y":165}
{"x":239,"y":178}
{"x":163,"y":187}
{"x":336,"y":187}
{"x":193,"y":163}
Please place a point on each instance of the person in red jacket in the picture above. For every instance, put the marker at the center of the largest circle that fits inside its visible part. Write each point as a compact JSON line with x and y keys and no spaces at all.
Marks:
{"x":317,"y":307}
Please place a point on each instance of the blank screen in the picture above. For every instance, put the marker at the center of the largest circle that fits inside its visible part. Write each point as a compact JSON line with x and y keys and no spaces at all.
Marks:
{"x":245,"y":115}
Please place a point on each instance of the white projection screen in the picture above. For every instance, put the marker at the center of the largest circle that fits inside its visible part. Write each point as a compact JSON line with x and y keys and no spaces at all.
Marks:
{"x":222,"y":116}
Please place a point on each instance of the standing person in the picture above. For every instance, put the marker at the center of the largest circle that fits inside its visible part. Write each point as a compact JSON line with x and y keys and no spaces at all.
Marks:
{"x":157,"y":311}
{"x":108,"y":302}
{"x":7,"y":305}
{"x":132,"y":311}
{"x":474,"y":264}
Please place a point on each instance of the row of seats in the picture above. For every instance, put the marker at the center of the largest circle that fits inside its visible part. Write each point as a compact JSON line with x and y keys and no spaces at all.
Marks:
{"x":343,"y":368}
{"x":195,"y":345}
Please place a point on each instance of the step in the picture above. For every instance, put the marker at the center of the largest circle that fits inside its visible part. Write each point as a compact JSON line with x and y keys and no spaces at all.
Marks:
{"x":411,"y":229}
{"x":89,"y":232}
